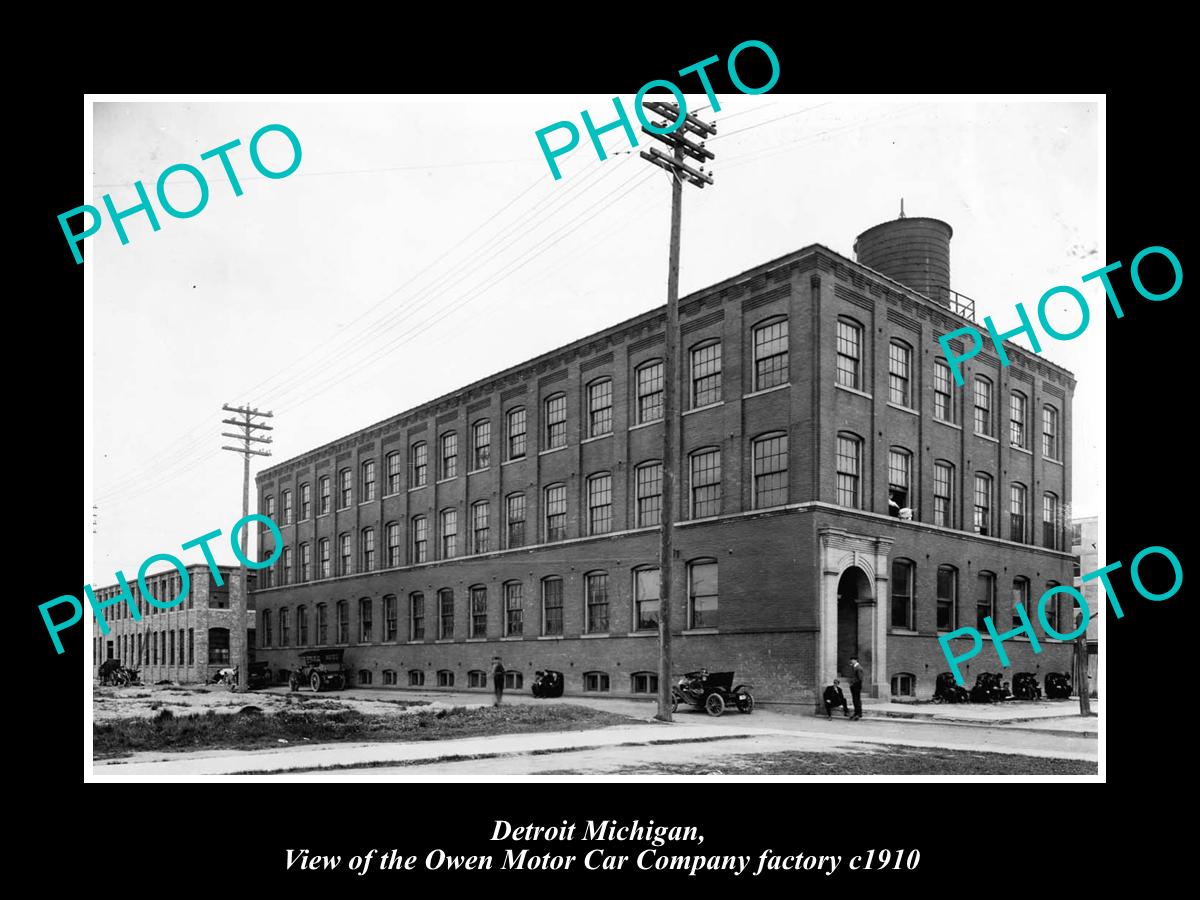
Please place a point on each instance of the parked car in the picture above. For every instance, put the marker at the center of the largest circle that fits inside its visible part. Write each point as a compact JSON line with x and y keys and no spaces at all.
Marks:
{"x":712,"y":692}
{"x":260,"y":675}
{"x":320,"y":669}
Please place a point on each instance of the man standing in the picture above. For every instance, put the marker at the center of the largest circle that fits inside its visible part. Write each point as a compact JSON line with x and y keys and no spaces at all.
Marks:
{"x":835,"y":698}
{"x":498,"y":678}
{"x":856,"y":684}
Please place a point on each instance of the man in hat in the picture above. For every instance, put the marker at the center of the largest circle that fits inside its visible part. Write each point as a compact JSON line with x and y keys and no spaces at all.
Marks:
{"x":498,"y":678}
{"x":856,"y":684}
{"x":835,"y":698}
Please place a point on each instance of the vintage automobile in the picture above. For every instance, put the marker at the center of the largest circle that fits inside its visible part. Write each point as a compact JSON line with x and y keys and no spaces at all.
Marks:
{"x":1026,"y":687}
{"x":320,"y":669}
{"x":113,"y":673}
{"x":989,"y":689}
{"x":547,"y":683}
{"x":260,"y":675}
{"x":946,"y":691}
{"x":1058,"y":685}
{"x":712,"y":692}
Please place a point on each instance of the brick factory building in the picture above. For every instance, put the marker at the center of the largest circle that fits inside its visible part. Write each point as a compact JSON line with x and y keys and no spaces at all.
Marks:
{"x":187,"y":643}
{"x":838,"y":495}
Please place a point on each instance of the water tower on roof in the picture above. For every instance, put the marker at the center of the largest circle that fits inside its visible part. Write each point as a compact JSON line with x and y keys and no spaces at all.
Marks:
{"x":913,"y":251}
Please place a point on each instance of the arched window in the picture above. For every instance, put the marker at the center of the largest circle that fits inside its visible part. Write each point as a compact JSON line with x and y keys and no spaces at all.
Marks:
{"x":322,"y":624}
{"x":477,"y":678}
{"x":514,"y":423}
{"x":1050,"y":432}
{"x":343,"y":622}
{"x":449,"y":455}
{"x":595,"y":682}
{"x":599,"y":400}
{"x":514,"y":608}
{"x":596,"y":603}
{"x":849,"y":353}
{"x":599,"y":494}
{"x":366,"y":621}
{"x":649,"y":380}
{"x":445,"y":599}
{"x":770,"y":454}
{"x":552,"y":606}
{"x":985,"y":601}
{"x":344,"y":489}
{"x":556,"y":512}
{"x":285,"y":631}
{"x":364,"y":676}
{"x":513,"y":681}
{"x":481,"y":444}
{"x":416,"y":617}
{"x":706,"y":373}
{"x":904,"y":573}
{"x":849,"y":468}
{"x":947,"y":598}
{"x":419,"y":456}
{"x":555,"y":434}
{"x":771,"y":353}
{"x":900,"y":373}
{"x":480,"y":527}
{"x":302,"y":626}
{"x":269,"y":506}
{"x":392,"y":460}
{"x":345,"y":557}
{"x":416,"y":678}
{"x":445,"y":678}
{"x":479,"y":611}
{"x":389,"y":617}
{"x":323,"y":495}
{"x":514,"y":524}
{"x":649,"y":494}
{"x":392,"y":535}
{"x":323,"y":558}
{"x":983,"y":406}
{"x":943,"y":402}
{"x":1055,"y":610}
{"x":644,"y":682}
{"x":266,"y":628}
{"x":305,"y":501}
{"x":1051,"y":521}
{"x":368,"y":549}
{"x":904,"y":685}
{"x":899,"y":480}
{"x":286,"y":564}
{"x":943,"y":494}
{"x":1017,"y":503}
{"x":702,"y":594}
{"x":983,"y":503}
{"x":368,"y":480}
{"x":448,"y":519}
{"x":1020,"y":594}
{"x":1017,"y":415}
{"x":646,"y":594}
{"x":420,"y":539}
{"x":706,"y":482}
{"x":306,"y":562}
{"x":389,"y":676}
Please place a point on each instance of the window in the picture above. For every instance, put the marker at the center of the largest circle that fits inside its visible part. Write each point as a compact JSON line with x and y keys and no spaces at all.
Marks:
{"x":306,"y":562}
{"x":596,"y":603}
{"x":770,"y":354}
{"x":556,"y":421}
{"x":552,"y":606}
{"x":644,"y":683}
{"x":649,"y":494}
{"x":645,"y":599}
{"x":849,"y":354}
{"x":480,"y":529}
{"x":287,"y":566}
{"x":218,"y":647}
{"x":445,"y":614}
{"x":649,"y":379}
{"x":191,"y":646}
{"x":270,"y":507}
{"x":266,"y":628}
{"x":477,"y":678}
{"x":416,"y":678}
{"x":416,"y":617}
{"x":1016,"y":512}
{"x":849,"y":460}
{"x":344,"y":489}
{"x":343,"y":622}
{"x":389,"y":617}
{"x":392,"y":536}
{"x":514,"y":608}
{"x":595,"y":682}
{"x":322,"y":624}
{"x":702,"y":594}
{"x":513,"y":680}
{"x":516,"y":432}
{"x":706,"y":483}
{"x":600,"y":407}
{"x":1016,"y":420}
{"x":904,"y":685}
{"x":1076,"y":535}
{"x":1056,"y":611}
{"x":514,"y":513}
{"x":899,"y":365}
{"x":943,"y":404}
{"x":1051,"y":526}
{"x":445,"y":678}
{"x":389,"y":676}
{"x":478,"y":611}
{"x":481,"y":444}
{"x":1050,"y":432}
{"x":1020,"y":594}
{"x":556,"y":512}
{"x":285,"y":630}
{"x":368,"y":549}
{"x":302,"y":626}
{"x":420,"y":539}
{"x":323,"y":495}
{"x":943,"y":494}
{"x":770,"y":471}
{"x":899,"y":472}
{"x":366,"y":625}
{"x":903,"y":572}
{"x":420,"y":464}
{"x":364,"y":676}
{"x":983,"y":406}
{"x":392,"y":461}
{"x":368,"y":480}
{"x":345,"y":559}
{"x":599,"y":488}
{"x":323,"y":557}
{"x":983,"y":503}
{"x":985,"y":602}
{"x":449,"y":528}
{"x":305,"y":501}
{"x":449,"y":454}
{"x":947,"y":598}
{"x":706,"y":374}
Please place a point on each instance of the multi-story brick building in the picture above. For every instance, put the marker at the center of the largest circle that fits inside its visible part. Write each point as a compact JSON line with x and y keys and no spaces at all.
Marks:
{"x":1085,"y":545}
{"x":187,"y":643}
{"x":838,"y":495}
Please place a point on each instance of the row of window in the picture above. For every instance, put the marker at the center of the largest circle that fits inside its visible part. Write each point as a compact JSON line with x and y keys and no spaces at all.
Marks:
{"x":946,"y":611}
{"x":593,"y":682}
{"x":439,"y":620}
{"x":155,"y":648}
{"x":164,"y":589}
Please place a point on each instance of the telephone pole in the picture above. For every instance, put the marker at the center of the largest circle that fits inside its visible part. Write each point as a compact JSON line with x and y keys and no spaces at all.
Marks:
{"x":680,"y":171}
{"x":238,"y":649}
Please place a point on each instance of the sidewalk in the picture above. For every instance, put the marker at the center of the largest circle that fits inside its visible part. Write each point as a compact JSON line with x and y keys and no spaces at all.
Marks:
{"x":1041,"y":715}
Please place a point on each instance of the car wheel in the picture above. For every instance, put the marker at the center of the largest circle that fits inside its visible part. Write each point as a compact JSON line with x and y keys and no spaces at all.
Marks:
{"x":745,"y":702}
{"x":715,"y":704}
{"x":316,"y":682}
{"x":674,"y":703}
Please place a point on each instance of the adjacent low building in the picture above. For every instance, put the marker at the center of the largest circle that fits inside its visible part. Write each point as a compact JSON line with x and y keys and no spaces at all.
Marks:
{"x":1085,"y":543}
{"x":838,"y":495}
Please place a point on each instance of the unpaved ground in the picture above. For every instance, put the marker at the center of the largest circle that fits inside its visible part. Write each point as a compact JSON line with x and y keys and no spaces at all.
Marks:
{"x":147,"y":701}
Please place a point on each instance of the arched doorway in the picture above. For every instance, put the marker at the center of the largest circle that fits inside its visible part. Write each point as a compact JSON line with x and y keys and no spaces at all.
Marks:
{"x":853,"y":588}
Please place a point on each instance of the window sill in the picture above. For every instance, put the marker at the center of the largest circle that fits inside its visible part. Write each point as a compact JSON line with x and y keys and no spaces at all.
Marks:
{"x":446,"y":480}
{"x":850,"y":390}
{"x":953,"y":425}
{"x":550,"y":637}
{"x":444,"y":641}
{"x":986,"y":437}
{"x":643,"y":634}
{"x":1020,"y":449}
{"x":514,"y":637}
{"x":552,"y":450}
{"x":1055,"y":462}
{"x":696,"y":409}
{"x":323,"y":515}
{"x":598,"y":437}
{"x":419,"y":487}
{"x":701,"y":631}
{"x":770,"y":390}
{"x":515,"y":459}
{"x":595,"y":635}
{"x":906,"y":409}
{"x":481,"y":640}
{"x":365,"y":502}
{"x":477,"y":471}
{"x":418,"y":641}
{"x":645,"y":425}
{"x":906,"y":631}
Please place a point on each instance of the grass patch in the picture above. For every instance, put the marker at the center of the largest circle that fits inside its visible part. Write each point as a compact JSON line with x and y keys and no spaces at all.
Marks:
{"x":210,"y":730}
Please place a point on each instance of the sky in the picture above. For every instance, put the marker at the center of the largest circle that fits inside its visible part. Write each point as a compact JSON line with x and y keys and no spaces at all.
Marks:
{"x":423,"y":244}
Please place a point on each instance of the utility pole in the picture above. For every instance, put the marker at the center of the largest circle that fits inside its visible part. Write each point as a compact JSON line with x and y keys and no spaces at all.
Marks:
{"x":1081,"y":670}
{"x":680,"y":171}
{"x":238,"y":649}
